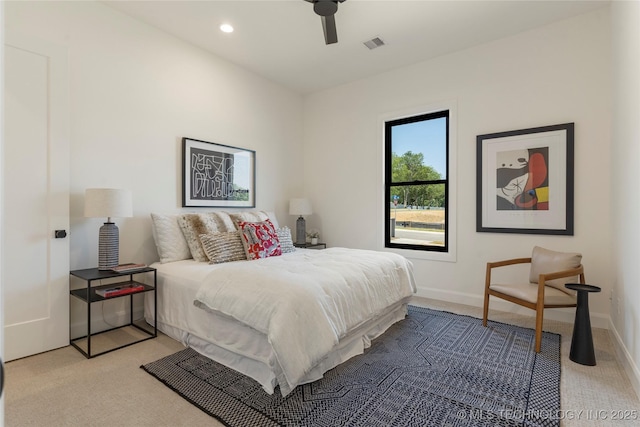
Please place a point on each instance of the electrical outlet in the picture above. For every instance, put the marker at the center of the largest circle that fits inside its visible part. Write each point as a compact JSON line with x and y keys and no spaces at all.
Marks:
{"x":618,"y":307}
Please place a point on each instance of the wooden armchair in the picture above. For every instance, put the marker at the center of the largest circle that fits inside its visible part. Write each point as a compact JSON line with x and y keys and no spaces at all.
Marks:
{"x":549,"y":272}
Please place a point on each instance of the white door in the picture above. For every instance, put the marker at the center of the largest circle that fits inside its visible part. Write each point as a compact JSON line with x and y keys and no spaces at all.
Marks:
{"x":1,"y":231}
{"x":35,"y":181}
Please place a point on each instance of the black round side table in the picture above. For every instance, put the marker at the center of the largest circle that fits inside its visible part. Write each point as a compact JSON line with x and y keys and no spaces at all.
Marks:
{"x":582,"y":341}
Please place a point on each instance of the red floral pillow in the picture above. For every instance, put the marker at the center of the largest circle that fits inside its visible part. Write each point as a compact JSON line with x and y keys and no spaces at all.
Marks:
{"x":260,"y":239}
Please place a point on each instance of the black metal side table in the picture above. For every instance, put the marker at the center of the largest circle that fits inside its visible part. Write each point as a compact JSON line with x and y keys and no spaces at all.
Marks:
{"x":582,"y":341}
{"x":89,"y":296}
{"x":311,"y":245}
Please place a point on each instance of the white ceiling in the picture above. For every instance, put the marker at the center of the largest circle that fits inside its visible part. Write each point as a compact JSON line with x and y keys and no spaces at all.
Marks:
{"x":283,"y":41}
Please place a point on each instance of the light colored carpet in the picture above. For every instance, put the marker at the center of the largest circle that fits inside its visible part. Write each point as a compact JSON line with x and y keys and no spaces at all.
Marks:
{"x":62,"y":388}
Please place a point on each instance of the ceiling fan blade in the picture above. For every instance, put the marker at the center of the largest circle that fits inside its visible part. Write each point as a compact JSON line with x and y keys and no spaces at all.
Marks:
{"x":329,"y":27}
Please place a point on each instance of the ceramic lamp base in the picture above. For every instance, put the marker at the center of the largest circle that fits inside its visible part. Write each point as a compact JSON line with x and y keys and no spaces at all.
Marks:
{"x":301,"y":232}
{"x":108,"y":246}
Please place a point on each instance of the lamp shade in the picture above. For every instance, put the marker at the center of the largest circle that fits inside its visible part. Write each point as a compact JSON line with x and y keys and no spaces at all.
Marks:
{"x":107,"y":202}
{"x":300,"y":207}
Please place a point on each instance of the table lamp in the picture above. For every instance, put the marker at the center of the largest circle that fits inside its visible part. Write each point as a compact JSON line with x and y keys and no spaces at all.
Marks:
{"x":300,"y":207}
{"x":108,"y":202}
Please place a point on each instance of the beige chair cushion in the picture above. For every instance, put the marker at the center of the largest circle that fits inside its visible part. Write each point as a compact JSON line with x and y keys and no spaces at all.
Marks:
{"x":529,"y":292}
{"x":546,"y":261}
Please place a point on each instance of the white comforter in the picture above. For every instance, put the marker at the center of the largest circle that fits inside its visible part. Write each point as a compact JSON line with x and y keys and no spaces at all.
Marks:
{"x":306,"y":301}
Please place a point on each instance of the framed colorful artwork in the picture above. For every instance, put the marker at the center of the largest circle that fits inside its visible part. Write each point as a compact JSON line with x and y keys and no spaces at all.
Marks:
{"x":525,"y":181}
{"x":216,"y":175}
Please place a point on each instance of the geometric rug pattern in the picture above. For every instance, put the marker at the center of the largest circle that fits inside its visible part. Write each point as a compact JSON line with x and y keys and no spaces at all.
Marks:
{"x":433,"y":368}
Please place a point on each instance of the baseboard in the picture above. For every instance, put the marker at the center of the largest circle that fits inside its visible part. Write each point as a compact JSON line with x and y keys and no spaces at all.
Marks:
{"x":566,"y":315}
{"x":625,"y":359}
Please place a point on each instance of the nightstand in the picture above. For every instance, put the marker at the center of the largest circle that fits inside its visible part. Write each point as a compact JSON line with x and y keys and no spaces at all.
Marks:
{"x":311,"y":245}
{"x":88,"y":295}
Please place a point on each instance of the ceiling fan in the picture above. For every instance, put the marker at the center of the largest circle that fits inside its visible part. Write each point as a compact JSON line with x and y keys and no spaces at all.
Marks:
{"x":327,"y":9}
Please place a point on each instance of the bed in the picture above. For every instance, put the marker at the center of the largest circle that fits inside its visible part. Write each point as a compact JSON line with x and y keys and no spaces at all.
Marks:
{"x":282,"y":320}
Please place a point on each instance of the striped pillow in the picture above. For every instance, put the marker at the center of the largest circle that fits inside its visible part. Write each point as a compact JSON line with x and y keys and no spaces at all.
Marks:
{"x":223,"y":247}
{"x":195,"y":224}
{"x":286,"y":242}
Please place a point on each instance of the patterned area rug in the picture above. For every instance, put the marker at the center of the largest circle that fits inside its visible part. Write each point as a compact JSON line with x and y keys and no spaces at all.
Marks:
{"x":432,"y":369}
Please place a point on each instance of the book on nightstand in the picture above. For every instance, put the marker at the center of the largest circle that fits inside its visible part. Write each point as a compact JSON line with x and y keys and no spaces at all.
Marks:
{"x":122,"y":268}
{"x":119,"y":290}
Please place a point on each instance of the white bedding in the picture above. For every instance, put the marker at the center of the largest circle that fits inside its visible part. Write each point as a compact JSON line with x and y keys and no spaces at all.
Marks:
{"x":220,"y":338}
{"x":238,"y":346}
{"x":306,"y":302}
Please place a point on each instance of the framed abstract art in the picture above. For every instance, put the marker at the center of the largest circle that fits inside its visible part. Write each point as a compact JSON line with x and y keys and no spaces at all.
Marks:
{"x":216,"y":175}
{"x":525,"y":181}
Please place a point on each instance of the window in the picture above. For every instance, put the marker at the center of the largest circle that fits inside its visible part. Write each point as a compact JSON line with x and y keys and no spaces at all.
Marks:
{"x":417,"y":182}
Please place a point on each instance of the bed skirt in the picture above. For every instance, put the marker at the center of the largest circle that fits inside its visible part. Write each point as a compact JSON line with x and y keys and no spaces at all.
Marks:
{"x":259,"y":362}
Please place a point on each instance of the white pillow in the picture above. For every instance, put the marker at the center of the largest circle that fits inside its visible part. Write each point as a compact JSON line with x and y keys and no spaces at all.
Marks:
{"x":272,"y":218}
{"x":170,"y":242}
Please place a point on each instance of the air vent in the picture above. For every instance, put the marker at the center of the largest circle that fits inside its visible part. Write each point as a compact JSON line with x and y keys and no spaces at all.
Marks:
{"x":374,"y":43}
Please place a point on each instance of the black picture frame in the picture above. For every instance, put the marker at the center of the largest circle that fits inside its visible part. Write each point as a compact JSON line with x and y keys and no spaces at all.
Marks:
{"x":525,"y":181}
{"x":216,"y":175}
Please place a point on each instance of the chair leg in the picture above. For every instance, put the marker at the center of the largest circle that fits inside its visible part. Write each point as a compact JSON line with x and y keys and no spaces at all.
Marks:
{"x":485,"y":311}
{"x":487,"y":283}
{"x":539,"y":319}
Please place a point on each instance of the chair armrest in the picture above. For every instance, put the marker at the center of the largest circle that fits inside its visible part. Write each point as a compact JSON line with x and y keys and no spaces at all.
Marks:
{"x":542,"y":279}
{"x":496,"y":264}
{"x":506,"y":262}
{"x":579,"y":271}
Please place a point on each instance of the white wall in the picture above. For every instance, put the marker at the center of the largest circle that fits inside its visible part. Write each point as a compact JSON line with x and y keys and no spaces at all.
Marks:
{"x":135,"y":92}
{"x":555,"y":74}
{"x":1,"y":198}
{"x":625,"y":313}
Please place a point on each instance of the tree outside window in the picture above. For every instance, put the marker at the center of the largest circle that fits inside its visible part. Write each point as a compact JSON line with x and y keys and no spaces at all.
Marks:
{"x":416,"y":171}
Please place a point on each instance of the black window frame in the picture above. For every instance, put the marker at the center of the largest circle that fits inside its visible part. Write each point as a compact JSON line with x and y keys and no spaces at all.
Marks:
{"x":388,"y":144}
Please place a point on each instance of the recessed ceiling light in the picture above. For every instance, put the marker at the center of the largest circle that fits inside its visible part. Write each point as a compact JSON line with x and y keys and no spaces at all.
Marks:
{"x":226,"y":28}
